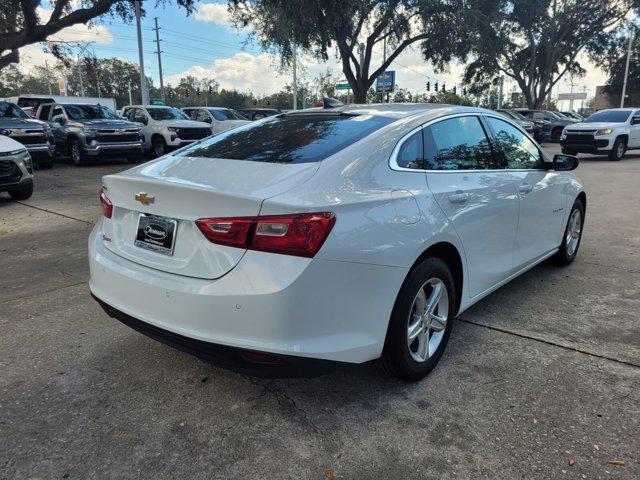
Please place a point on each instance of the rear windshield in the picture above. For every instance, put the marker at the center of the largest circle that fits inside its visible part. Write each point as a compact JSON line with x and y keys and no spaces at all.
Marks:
{"x":9,"y":110}
{"x":89,"y":112}
{"x":32,"y":102}
{"x":297,"y":138}
{"x":611,"y":116}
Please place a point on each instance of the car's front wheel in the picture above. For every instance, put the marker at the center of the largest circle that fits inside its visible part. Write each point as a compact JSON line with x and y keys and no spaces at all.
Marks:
{"x":158,"y":147}
{"x":23,"y":193}
{"x":572,"y":235}
{"x":421,"y":321}
{"x":76,"y":154}
{"x":618,"y":150}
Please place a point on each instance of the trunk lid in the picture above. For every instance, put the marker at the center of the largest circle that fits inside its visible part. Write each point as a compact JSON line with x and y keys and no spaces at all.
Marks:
{"x":186,"y":189}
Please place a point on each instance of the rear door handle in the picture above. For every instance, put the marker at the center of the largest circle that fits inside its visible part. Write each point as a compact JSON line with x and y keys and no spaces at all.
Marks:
{"x":525,"y":188}
{"x":458,"y":197}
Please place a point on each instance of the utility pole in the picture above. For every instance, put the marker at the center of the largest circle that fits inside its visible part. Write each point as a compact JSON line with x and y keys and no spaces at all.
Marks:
{"x":362,"y":79}
{"x":130,"y":99}
{"x":295,"y":80}
{"x":626,"y":68}
{"x":500,"y":91}
{"x":384,"y":78}
{"x":143,"y":79}
{"x":158,"y":51}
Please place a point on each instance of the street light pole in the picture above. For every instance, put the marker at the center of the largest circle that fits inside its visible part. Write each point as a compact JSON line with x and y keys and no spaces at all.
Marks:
{"x":626,"y":69}
{"x":143,"y":79}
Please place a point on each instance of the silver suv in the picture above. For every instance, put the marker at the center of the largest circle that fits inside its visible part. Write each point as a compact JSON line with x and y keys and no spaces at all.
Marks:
{"x":85,"y":132}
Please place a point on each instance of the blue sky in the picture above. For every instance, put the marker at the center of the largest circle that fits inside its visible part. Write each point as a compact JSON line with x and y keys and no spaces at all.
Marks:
{"x":206,"y":45}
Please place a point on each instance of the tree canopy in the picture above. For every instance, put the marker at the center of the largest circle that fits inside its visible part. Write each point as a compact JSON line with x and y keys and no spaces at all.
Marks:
{"x":437,"y":27}
{"x":24,"y":22}
{"x":536,"y":43}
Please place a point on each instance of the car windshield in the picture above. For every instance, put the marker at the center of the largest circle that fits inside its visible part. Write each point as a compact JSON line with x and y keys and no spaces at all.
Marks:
{"x":555,"y":115}
{"x":9,"y":110}
{"x":513,"y":114}
{"x":225,"y":114}
{"x":169,"y":113}
{"x":609,"y":116}
{"x":90,"y":112}
{"x":295,"y":138}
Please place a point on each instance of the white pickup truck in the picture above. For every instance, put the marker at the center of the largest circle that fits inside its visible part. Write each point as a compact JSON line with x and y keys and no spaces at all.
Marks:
{"x":608,"y":132}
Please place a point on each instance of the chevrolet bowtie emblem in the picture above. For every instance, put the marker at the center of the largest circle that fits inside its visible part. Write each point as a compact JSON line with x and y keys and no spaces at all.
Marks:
{"x":122,"y":130}
{"x":18,"y":132}
{"x":145,"y":199}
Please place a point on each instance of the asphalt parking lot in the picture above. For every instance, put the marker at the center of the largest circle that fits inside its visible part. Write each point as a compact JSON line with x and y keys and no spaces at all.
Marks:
{"x":540,"y":380}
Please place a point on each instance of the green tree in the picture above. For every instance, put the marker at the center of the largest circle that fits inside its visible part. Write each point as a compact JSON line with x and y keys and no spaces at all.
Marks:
{"x":537,"y":43}
{"x":23,"y":22}
{"x":438,"y":27}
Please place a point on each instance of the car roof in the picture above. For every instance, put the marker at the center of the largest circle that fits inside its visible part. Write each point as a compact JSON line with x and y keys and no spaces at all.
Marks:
{"x":396,"y":110}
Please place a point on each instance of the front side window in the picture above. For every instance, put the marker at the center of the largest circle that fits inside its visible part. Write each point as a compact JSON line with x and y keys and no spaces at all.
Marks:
{"x":519,"y":152}
{"x":168,"y":113}
{"x":225,"y":114}
{"x":410,"y":154}
{"x":294,"y":138}
{"x":457,"y":144}
{"x":202,"y":116}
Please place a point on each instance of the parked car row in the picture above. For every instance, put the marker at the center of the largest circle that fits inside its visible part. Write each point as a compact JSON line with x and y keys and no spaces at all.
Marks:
{"x":54,"y":126}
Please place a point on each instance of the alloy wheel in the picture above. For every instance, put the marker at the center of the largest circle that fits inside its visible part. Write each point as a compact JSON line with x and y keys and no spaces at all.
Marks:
{"x":75,"y":154}
{"x":620,"y":150}
{"x":159,"y":150}
{"x":427,"y":319}
{"x":574,"y":231}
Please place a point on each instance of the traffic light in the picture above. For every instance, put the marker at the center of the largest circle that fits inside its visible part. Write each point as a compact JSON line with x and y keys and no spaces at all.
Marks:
{"x":435,"y":87}
{"x":454,"y":90}
{"x":187,"y":92}
{"x":170,"y":93}
{"x":444,"y":88}
{"x":428,"y":86}
{"x":210,"y":89}
{"x":198,"y":91}
{"x":464,"y":91}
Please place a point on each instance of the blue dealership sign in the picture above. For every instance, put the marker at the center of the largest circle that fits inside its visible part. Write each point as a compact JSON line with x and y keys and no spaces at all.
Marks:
{"x":386,"y":82}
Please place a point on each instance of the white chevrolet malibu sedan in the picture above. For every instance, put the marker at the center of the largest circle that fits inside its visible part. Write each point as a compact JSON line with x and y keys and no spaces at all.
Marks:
{"x":342,"y":234}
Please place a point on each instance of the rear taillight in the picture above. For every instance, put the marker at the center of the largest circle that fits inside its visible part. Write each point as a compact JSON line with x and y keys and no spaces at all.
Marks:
{"x":299,"y":234}
{"x":107,"y":206}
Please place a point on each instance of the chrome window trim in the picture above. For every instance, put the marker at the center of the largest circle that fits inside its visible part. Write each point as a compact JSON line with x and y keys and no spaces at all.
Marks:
{"x":393,"y":159}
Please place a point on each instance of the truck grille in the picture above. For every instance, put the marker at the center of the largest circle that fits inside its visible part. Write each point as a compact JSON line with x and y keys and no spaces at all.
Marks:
{"x":9,"y":172}
{"x":35,"y":138}
{"x":584,"y":136}
{"x":193,"y":133}
{"x":115,"y":136}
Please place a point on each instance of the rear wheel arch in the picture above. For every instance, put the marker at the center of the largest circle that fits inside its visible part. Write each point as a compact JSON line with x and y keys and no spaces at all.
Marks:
{"x":451,"y":256}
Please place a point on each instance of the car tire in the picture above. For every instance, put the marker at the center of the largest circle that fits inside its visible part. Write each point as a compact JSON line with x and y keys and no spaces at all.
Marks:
{"x":22,"y":193}
{"x":412,"y":358}
{"x":572,"y":235}
{"x":567,"y":151}
{"x":158,"y":147}
{"x":618,"y":150}
{"x":77,"y":156}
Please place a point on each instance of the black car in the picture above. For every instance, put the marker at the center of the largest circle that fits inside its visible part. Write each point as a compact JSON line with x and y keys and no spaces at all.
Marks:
{"x":554,"y":123}
{"x":36,"y":136}
{"x":257,"y":113}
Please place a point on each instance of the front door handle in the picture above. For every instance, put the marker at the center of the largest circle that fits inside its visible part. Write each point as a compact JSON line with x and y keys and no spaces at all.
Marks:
{"x":525,"y":188}
{"x":458,"y":197}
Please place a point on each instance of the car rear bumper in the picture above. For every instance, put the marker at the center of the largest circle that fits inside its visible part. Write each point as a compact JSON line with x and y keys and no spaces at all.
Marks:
{"x":279,"y":304}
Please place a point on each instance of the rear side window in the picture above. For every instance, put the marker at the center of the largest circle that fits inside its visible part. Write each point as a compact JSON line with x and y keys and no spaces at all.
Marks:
{"x":297,"y":138}
{"x":411,"y":154}
{"x":457,"y":144}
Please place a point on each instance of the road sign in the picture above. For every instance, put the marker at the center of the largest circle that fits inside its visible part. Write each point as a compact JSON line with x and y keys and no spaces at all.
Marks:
{"x":157,"y":102}
{"x":343,"y":86}
{"x":572,"y":96}
{"x":386,"y":82}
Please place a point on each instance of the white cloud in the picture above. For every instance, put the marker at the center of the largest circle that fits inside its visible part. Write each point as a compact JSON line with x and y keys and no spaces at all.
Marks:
{"x":243,"y":71}
{"x":213,"y":13}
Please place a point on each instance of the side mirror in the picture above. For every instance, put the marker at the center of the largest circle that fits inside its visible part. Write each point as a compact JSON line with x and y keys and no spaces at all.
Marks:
{"x":635,"y":120}
{"x":565,"y":163}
